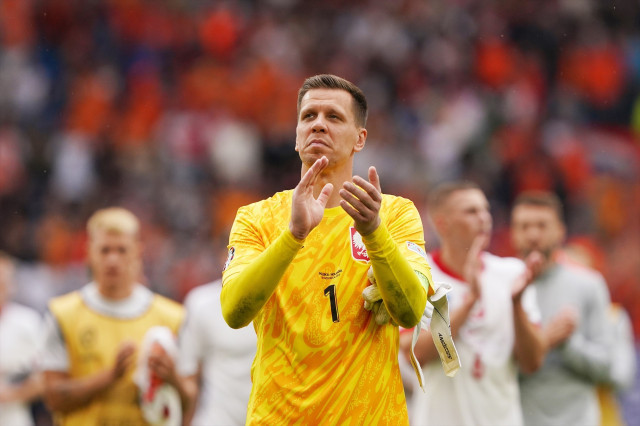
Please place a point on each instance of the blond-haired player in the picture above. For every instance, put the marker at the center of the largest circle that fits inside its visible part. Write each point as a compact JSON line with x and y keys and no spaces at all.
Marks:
{"x":92,"y":333}
{"x":297,"y":267}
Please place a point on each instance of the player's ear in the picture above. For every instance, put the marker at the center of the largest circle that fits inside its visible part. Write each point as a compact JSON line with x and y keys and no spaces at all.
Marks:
{"x":362,"y":137}
{"x":562,"y":232}
{"x":438,"y":221}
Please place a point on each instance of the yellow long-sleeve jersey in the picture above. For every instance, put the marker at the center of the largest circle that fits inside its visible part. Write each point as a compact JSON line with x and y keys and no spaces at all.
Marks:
{"x":321,"y":358}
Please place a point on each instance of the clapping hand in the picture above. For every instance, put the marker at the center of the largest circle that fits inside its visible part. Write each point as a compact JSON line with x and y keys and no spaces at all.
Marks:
{"x":534,"y":264}
{"x":306,"y":210}
{"x":124,"y":359}
{"x":362,"y":200}
{"x":561,"y":326}
{"x":473,"y":265}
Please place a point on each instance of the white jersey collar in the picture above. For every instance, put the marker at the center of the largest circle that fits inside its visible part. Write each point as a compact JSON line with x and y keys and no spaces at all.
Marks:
{"x":132,"y":307}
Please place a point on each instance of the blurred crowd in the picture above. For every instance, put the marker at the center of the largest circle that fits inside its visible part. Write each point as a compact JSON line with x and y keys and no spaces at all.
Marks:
{"x":183,"y":110}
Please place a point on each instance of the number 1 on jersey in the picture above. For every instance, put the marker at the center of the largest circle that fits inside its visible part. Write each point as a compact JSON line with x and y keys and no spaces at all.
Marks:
{"x":331,"y":292}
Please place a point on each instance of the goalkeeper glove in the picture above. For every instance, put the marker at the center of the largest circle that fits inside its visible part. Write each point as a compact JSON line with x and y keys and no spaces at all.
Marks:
{"x":373,"y":301}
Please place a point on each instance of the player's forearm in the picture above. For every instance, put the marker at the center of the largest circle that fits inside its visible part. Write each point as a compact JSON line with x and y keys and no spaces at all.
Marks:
{"x":588,"y":352}
{"x":461,"y":313}
{"x":187,"y":386}
{"x":188,"y":389}
{"x":401,"y":289}
{"x":529,"y":347}
{"x":589,"y":359}
{"x":246,"y":293}
{"x":425,"y":349}
{"x":30,"y":389}
{"x":623,"y":365}
{"x":63,"y":393}
{"x":25,"y":391}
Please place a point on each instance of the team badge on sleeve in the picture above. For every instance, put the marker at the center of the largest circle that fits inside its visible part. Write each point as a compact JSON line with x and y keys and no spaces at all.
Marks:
{"x":358,"y":250}
{"x":232,"y":252}
{"x":416,"y":249}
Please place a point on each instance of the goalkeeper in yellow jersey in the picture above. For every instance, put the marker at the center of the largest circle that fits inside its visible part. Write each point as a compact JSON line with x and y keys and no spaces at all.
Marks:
{"x":297,"y":267}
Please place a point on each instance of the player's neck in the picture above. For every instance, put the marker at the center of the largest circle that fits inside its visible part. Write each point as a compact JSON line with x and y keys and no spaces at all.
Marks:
{"x":453,"y":258}
{"x":115,"y":292}
{"x":547,"y":264}
{"x":337,"y":177}
{"x":334,"y":199}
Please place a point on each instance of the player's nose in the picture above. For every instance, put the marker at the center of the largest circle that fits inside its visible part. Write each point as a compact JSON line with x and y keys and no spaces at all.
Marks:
{"x":319,"y":124}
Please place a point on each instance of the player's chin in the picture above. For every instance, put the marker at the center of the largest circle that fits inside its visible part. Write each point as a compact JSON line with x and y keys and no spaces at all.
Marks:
{"x":487,"y":236}
{"x":545,"y":253}
{"x":312,"y":155}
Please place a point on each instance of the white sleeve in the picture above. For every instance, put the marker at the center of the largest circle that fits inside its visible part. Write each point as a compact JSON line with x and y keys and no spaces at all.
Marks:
{"x":587,"y":352}
{"x":190,"y":342}
{"x":516,"y":269}
{"x":623,"y":366}
{"x":530,"y":305}
{"x":35,"y":324}
{"x":54,"y":352}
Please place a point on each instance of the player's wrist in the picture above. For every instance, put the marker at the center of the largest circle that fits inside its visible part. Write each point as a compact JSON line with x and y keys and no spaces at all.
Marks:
{"x":517,"y":298}
{"x":471,"y":297}
{"x":376,"y":239}
{"x":369,"y":228}
{"x":297,"y":234}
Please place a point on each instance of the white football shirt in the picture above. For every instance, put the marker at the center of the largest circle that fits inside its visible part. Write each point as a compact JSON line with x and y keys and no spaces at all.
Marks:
{"x":485,"y":389}
{"x":225,"y":355}
{"x":20,"y":329}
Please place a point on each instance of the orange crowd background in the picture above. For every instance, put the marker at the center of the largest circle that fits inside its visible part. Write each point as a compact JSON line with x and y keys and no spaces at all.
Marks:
{"x":184,"y":110}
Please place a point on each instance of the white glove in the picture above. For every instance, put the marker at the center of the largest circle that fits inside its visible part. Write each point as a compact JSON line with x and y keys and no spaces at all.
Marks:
{"x":373,"y":301}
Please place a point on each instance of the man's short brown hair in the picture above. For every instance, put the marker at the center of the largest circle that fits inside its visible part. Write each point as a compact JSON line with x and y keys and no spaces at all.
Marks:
{"x":439,"y":195}
{"x":329,"y":81}
{"x":540,"y":199}
{"x":6,"y":257}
